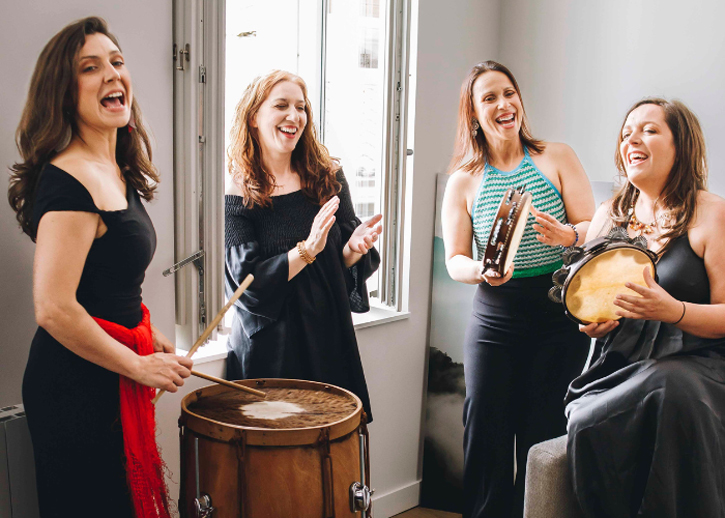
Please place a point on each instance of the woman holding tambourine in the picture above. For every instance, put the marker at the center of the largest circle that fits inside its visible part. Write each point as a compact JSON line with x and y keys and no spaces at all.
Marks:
{"x":645,"y":433}
{"x":520,"y":350}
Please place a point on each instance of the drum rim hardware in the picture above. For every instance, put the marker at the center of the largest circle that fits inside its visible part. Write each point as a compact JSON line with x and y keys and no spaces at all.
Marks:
{"x":361,"y":496}
{"x":617,"y":239}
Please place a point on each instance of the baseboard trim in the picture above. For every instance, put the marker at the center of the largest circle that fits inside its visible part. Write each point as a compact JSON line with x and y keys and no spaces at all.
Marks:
{"x":396,"y":501}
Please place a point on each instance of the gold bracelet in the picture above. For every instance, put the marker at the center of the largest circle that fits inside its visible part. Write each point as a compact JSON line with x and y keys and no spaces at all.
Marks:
{"x":302,"y":249}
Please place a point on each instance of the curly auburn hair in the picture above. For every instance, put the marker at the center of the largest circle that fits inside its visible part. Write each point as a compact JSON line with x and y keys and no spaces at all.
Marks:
{"x":471,"y":153}
{"x":310,"y":158}
{"x":686,"y":179}
{"x":49,"y":122}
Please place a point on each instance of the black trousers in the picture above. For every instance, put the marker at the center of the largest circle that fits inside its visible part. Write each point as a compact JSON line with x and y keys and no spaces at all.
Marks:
{"x":520,"y":354}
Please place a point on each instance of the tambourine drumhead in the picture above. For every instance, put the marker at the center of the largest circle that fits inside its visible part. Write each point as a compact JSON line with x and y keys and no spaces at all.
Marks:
{"x":589,"y":295}
{"x":518,"y":232}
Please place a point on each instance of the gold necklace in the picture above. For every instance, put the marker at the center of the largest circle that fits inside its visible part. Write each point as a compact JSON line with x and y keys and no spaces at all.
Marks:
{"x":639,"y":226}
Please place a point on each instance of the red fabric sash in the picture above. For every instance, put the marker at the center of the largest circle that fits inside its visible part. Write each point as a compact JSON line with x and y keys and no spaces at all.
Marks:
{"x":144,"y":467}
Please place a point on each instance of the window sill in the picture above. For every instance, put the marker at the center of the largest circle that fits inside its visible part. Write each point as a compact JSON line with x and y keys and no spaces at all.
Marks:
{"x":212,"y":351}
{"x":215,"y":350}
{"x":377,"y":316}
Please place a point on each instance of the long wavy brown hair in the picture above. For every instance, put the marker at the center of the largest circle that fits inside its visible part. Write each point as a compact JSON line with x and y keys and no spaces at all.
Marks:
{"x":472,"y":153}
{"x":49,"y":122}
{"x":687,"y":177}
{"x":310,"y":159}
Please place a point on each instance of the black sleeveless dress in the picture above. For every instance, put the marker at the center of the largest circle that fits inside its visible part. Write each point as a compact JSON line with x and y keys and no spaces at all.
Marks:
{"x":72,"y":405}
{"x":647,"y":420}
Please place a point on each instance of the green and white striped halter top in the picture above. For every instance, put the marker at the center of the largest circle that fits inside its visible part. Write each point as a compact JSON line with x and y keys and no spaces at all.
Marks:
{"x":532,"y":258}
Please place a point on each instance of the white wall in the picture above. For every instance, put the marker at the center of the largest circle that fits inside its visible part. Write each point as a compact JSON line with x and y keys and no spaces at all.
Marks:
{"x":581,"y":65}
{"x":144,"y":32}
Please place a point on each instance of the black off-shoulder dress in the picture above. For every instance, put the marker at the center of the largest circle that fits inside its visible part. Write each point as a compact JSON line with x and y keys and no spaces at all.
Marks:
{"x":647,"y":420}
{"x":72,"y":405}
{"x":300,"y":328}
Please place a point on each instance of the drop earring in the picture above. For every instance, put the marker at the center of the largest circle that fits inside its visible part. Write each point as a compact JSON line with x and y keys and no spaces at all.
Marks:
{"x":474,"y":131}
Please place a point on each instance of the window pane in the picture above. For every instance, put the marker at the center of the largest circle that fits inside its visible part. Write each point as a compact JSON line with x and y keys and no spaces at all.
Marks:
{"x":263,"y":36}
{"x":354,"y":99}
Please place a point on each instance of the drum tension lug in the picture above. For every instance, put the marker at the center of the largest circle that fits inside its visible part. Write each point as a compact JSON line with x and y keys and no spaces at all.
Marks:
{"x":202,"y":506}
{"x":360,"y":497}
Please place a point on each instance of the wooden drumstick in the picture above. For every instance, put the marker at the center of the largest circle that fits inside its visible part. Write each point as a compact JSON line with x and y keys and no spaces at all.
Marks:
{"x":243,"y":286}
{"x":229,"y":384}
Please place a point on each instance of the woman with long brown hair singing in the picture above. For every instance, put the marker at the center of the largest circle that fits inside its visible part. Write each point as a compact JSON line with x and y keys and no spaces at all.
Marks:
{"x":95,"y":358}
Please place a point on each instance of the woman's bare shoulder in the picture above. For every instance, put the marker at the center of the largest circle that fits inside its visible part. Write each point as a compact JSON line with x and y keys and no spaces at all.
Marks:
{"x":710,"y":210}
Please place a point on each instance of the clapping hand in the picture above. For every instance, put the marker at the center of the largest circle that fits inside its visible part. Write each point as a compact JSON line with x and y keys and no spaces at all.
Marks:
{"x":321,"y":226}
{"x":365,"y":235}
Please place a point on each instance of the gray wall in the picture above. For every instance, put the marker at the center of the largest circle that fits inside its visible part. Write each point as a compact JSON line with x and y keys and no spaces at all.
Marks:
{"x":144,"y":31}
{"x":581,"y":65}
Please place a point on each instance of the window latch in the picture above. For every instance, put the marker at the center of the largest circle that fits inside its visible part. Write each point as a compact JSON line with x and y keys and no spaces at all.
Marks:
{"x":197,"y":259}
{"x":179,"y":54}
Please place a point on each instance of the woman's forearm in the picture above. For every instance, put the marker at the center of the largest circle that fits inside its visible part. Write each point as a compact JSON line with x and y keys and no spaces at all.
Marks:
{"x":703,"y":320}
{"x":349,"y":257}
{"x":464,"y":269}
{"x":74,"y":328}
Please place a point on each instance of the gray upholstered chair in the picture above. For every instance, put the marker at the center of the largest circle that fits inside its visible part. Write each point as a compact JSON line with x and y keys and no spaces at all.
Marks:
{"x":549,"y":492}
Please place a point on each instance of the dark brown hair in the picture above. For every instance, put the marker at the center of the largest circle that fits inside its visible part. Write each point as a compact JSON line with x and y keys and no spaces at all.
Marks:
{"x":49,"y":122}
{"x":471,"y":153}
{"x":310,"y":159}
{"x":687,"y":177}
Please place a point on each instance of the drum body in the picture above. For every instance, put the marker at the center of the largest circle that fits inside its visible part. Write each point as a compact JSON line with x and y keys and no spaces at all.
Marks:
{"x":594,"y":274}
{"x":507,"y":230}
{"x":279,"y":471}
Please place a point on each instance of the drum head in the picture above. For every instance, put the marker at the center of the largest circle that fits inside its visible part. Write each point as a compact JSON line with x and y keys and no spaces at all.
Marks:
{"x":293,"y":413}
{"x":518,"y":231}
{"x":589,"y":294}
{"x":283,"y":408}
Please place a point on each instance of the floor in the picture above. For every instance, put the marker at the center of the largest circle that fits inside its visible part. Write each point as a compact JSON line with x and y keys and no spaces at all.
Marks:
{"x":420,"y":512}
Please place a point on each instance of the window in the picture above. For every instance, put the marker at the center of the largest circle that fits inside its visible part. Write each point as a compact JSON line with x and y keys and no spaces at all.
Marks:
{"x":353,"y":58}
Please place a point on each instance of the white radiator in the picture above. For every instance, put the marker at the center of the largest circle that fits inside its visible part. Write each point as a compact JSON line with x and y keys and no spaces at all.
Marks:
{"x":18,"y":493}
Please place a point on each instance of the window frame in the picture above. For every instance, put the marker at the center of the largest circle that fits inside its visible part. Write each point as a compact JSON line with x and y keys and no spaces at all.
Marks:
{"x":199,"y":137}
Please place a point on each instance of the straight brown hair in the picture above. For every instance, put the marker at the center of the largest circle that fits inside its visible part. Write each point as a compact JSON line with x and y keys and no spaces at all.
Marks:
{"x":472,"y":153}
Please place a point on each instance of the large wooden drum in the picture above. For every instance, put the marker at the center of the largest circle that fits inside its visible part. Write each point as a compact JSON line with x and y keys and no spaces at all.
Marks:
{"x":301,"y":452}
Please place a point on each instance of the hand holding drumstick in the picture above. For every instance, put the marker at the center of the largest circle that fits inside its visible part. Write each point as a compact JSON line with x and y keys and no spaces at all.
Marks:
{"x":242,"y":287}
